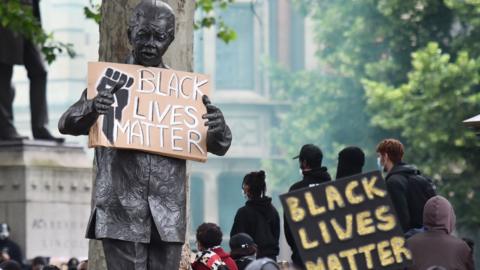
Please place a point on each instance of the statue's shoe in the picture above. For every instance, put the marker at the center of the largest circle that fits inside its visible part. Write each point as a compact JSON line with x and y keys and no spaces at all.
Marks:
{"x":43,"y":134}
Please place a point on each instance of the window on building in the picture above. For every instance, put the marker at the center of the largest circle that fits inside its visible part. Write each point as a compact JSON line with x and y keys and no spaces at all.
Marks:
{"x":197,"y":188}
{"x":235,"y":67}
{"x":230,"y":199}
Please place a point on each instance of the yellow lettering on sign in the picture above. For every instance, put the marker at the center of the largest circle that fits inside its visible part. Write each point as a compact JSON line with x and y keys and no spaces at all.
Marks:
{"x":296,"y":212}
{"x":365,"y":223}
{"x":306,"y":243}
{"x":385,"y":254}
{"x":334,"y":263}
{"x":315,"y":266}
{"x":367,"y":252}
{"x":333,"y":197}
{"x":371,"y":190}
{"x":342,"y":233}
{"x":387,"y":220}
{"x":350,"y":255}
{"x":312,"y":206}
{"x":325,"y":233}
{"x":399,"y":249}
{"x":353,"y":198}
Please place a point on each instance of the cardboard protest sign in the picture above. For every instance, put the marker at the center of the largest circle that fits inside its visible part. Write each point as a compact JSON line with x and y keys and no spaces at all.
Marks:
{"x":156,"y":110}
{"x":346,"y":224}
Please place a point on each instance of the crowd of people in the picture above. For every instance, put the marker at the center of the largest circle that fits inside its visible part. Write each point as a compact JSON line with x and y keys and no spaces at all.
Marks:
{"x":11,"y":257}
{"x":427,"y":219}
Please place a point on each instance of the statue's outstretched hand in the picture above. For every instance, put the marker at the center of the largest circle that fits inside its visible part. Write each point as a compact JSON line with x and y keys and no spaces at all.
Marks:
{"x":215,"y":120}
{"x":104,"y":100}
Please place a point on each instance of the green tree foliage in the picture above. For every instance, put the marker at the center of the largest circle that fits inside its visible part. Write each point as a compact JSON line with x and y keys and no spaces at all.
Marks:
{"x":207,"y":8}
{"x":427,"y":112}
{"x":389,"y":68}
{"x":20,"y":19}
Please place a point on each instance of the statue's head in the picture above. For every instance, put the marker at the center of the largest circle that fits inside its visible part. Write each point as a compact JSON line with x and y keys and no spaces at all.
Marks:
{"x":151,"y":30}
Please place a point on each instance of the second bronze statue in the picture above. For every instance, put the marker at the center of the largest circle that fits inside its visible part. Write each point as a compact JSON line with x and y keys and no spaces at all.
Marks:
{"x":15,"y":49}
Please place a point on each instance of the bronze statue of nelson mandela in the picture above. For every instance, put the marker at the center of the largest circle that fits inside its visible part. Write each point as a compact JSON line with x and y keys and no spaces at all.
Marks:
{"x":140,"y":198}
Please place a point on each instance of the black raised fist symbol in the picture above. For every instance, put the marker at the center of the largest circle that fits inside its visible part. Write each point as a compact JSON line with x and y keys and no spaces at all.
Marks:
{"x":113,"y":96}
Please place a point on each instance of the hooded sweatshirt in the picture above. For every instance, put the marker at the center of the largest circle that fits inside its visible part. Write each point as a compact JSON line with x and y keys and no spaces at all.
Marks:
{"x":311,"y":178}
{"x":436,"y":246}
{"x":397,"y":187}
{"x":350,"y":162}
{"x":259,"y":219}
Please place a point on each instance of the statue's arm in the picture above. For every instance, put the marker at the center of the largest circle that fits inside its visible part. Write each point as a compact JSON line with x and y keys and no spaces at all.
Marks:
{"x":218,"y":143}
{"x":219,"y":135}
{"x":78,"y":119}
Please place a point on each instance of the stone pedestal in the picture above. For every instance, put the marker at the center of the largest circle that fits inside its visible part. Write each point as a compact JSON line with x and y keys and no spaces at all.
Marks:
{"x":45,"y":192}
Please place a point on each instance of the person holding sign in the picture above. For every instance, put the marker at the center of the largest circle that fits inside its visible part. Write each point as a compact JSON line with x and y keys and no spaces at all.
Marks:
{"x":310,"y":161}
{"x":140,"y":198}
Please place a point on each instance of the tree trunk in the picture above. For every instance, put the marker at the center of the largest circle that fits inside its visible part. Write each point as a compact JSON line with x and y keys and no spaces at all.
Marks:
{"x":114,"y":47}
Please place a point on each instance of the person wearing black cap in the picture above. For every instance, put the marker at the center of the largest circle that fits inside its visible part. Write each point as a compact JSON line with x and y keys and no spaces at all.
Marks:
{"x":242,"y":250}
{"x":310,"y":162}
{"x":350,"y":162}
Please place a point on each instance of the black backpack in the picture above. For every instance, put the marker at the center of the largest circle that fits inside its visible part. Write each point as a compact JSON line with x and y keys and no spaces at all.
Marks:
{"x":420,"y":189}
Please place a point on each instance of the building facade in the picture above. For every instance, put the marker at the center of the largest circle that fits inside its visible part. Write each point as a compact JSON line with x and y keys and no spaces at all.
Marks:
{"x":269,"y":32}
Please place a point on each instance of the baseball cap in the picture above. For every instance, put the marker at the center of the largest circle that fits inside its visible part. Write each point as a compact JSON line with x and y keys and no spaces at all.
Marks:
{"x":311,"y":154}
{"x":241,"y":240}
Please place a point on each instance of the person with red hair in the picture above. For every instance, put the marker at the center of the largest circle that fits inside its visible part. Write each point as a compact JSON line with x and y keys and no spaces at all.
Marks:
{"x":407,"y":187}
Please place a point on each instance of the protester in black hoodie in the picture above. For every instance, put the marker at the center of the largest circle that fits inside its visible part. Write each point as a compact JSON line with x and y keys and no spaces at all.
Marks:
{"x":258,"y":218}
{"x":310,"y":161}
{"x":350,"y":162}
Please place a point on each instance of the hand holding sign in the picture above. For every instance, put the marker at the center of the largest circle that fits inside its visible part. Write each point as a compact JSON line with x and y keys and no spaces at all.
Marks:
{"x":109,"y":85}
{"x":102,"y":102}
{"x":215,"y":120}
{"x":112,"y":98}
{"x":151,"y":109}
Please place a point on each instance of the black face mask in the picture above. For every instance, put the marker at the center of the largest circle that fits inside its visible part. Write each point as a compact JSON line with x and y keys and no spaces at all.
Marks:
{"x":150,"y":42}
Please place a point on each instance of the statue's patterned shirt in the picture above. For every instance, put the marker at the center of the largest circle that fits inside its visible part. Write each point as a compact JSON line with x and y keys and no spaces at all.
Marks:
{"x":132,"y":188}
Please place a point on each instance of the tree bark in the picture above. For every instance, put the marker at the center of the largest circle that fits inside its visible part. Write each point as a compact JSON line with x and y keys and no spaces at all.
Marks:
{"x":114,"y":47}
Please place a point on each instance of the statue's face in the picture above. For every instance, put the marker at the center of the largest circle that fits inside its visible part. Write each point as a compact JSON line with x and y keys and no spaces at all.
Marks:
{"x":150,"y":41}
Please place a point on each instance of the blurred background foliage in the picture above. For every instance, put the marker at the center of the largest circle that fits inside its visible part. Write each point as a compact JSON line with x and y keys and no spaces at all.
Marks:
{"x":407,"y":69}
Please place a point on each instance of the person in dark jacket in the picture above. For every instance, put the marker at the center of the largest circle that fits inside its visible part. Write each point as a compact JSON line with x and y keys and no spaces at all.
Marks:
{"x":10,"y":265}
{"x":310,"y":161}
{"x":258,"y":218}
{"x":8,"y":247}
{"x":16,"y":49}
{"x":242,"y":249}
{"x":350,"y":162}
{"x":436,"y":246}
{"x":211,"y":256}
{"x":390,"y":154}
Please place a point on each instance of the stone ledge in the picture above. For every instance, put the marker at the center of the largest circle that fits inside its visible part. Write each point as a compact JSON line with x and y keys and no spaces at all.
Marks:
{"x":38,"y":153}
